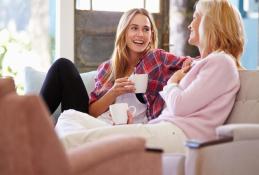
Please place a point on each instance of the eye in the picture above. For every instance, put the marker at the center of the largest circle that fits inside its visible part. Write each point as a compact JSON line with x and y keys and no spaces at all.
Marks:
{"x":134,"y":28}
{"x":146,"y":29}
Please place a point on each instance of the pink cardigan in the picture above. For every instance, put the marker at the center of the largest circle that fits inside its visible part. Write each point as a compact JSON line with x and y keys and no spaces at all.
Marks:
{"x":204,"y":97}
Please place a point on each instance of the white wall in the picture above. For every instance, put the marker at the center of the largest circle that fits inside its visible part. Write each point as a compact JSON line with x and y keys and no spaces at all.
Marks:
{"x":65,"y":29}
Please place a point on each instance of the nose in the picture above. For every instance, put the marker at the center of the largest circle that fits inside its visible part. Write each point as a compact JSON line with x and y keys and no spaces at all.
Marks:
{"x":140,"y":33}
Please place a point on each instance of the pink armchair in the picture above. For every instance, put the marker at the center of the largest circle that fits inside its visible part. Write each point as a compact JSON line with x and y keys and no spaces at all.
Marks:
{"x":30,"y":146}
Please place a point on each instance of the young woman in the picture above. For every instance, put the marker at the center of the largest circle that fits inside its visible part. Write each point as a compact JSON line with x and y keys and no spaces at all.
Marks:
{"x":134,"y":52}
{"x":199,"y":97}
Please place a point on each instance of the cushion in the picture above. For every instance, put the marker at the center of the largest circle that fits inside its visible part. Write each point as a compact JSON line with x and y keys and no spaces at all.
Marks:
{"x":246,"y":107}
{"x":33,"y":80}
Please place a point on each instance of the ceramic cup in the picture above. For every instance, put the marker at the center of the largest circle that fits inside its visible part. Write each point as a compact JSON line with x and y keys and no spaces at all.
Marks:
{"x":119,"y":112}
{"x":140,"y":81}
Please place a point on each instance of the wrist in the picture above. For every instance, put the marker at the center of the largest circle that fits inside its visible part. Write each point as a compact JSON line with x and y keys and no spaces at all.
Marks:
{"x":112,"y":94}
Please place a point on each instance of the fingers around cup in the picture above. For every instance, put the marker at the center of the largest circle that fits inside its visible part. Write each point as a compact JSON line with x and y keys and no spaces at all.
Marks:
{"x":132,"y":109}
{"x":130,"y":118}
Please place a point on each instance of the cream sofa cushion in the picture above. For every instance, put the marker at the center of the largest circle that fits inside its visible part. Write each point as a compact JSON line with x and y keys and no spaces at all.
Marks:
{"x":246,"y":108}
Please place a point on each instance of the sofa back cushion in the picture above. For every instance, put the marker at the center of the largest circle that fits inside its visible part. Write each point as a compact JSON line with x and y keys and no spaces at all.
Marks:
{"x":88,"y":79}
{"x":33,"y":80}
{"x":246,"y":108}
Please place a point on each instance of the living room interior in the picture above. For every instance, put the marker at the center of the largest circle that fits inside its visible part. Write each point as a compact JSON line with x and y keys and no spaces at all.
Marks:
{"x":84,"y":32}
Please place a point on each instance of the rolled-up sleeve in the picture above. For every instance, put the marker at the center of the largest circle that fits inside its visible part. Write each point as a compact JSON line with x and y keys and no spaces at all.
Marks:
{"x":101,"y":86}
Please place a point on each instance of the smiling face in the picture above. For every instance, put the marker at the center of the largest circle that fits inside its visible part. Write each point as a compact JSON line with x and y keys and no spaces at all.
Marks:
{"x":194,"y":38}
{"x":138,"y":34}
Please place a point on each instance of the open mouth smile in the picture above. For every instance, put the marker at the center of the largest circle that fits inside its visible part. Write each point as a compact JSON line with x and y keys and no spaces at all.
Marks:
{"x":138,"y":42}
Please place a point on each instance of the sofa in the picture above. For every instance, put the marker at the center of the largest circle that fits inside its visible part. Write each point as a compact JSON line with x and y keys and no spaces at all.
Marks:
{"x":236,"y":150}
{"x":29,"y":144}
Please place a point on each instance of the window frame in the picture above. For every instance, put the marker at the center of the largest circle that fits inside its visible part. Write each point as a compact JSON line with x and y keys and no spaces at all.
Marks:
{"x":144,"y":6}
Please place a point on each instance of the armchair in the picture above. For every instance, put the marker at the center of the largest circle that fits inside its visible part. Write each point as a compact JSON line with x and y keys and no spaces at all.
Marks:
{"x":236,"y":150}
{"x":30,"y":146}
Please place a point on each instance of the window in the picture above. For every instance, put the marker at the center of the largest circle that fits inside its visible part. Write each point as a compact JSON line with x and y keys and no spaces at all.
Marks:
{"x":251,"y":8}
{"x":121,"y":5}
{"x":24,"y":38}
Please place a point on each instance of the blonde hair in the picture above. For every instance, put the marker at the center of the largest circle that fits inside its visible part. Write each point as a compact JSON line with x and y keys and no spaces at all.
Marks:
{"x":120,"y":57}
{"x":221,"y":28}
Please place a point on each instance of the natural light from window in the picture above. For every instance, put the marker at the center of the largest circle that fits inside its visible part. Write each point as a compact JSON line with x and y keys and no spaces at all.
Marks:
{"x":118,"y":5}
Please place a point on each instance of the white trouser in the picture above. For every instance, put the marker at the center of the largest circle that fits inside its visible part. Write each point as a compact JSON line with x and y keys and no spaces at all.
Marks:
{"x":75,"y":128}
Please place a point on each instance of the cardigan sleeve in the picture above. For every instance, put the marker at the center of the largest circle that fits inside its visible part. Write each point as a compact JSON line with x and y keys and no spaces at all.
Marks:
{"x":217,"y":76}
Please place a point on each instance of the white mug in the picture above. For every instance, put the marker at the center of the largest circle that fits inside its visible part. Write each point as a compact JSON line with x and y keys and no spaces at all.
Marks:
{"x":140,"y":81}
{"x":119,"y":112}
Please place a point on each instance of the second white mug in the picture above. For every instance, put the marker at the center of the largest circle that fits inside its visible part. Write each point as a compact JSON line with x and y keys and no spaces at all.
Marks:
{"x":119,"y":112}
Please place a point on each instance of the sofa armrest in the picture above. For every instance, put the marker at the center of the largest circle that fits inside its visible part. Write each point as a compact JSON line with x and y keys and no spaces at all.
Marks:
{"x":101,"y":150}
{"x":195,"y":144}
{"x":125,"y":150}
{"x":235,"y":152}
{"x":228,"y":133}
{"x":239,"y":131}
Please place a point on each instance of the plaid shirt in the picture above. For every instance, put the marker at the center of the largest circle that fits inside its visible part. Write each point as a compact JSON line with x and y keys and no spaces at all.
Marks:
{"x":159,"y":65}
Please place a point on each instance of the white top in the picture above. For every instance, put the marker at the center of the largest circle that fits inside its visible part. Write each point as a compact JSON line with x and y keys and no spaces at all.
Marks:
{"x":131,"y":99}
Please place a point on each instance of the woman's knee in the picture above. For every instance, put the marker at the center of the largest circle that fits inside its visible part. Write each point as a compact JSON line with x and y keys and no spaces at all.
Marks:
{"x":64,"y":66}
{"x":63,"y":62}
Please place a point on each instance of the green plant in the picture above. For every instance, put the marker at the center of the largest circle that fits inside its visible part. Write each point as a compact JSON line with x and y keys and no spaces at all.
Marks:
{"x":12,"y":42}
{"x":3,"y":51}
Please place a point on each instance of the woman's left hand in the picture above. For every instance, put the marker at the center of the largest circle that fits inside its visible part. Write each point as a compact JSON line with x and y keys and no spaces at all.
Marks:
{"x":178,"y":75}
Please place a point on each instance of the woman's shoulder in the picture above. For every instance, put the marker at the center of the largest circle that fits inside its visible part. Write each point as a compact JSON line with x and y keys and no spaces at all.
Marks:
{"x":158,"y":51}
{"x":221,"y":58}
{"x":159,"y":54}
{"x":104,"y":65}
{"x":103,"y":69}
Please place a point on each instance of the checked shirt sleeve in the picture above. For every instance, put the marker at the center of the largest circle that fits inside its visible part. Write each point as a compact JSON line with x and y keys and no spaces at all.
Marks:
{"x":100,"y":87}
{"x":160,"y":66}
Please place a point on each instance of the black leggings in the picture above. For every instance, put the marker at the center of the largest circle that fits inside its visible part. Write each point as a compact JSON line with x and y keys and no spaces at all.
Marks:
{"x":63,"y":84}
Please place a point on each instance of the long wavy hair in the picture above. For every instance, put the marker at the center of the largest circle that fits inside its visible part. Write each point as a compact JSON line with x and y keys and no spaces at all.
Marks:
{"x":120,"y":57}
{"x":221,"y":28}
